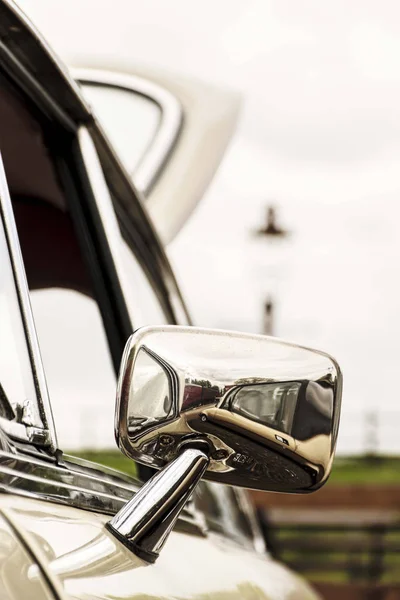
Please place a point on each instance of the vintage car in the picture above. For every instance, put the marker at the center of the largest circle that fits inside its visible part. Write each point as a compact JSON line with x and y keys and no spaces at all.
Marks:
{"x":203,"y":413}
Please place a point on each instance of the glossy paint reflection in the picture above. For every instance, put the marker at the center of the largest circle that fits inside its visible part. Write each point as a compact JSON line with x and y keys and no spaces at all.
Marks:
{"x":267,"y":411}
{"x":20,"y":575}
{"x":85,"y":561}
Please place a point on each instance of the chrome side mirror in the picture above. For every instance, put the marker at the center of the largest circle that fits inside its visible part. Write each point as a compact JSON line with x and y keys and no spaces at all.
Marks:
{"x":265,"y":411}
{"x":262,"y":413}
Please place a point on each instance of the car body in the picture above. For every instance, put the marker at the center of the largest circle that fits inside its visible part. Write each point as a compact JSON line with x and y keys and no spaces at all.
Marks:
{"x":69,"y":204}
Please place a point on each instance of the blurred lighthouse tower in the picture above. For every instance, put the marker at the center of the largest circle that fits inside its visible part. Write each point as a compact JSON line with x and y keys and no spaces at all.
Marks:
{"x":269,"y":250}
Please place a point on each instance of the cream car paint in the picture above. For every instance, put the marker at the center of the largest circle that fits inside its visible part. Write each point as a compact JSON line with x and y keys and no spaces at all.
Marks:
{"x":20,"y":575}
{"x":83,"y":560}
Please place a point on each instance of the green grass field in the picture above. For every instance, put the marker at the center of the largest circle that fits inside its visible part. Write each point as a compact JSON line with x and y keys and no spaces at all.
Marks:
{"x":366,"y":469}
{"x":363,"y":469}
{"x":110,"y":458}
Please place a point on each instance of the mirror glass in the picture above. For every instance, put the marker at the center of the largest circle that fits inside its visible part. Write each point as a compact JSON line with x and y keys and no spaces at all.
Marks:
{"x":267,"y":411}
{"x":150,"y":398}
{"x":269,"y":403}
{"x":294,"y":407}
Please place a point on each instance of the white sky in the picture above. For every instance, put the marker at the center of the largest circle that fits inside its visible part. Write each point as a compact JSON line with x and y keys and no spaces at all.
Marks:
{"x":319,"y":136}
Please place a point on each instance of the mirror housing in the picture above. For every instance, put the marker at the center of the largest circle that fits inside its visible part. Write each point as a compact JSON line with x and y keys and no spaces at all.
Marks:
{"x":265,"y":412}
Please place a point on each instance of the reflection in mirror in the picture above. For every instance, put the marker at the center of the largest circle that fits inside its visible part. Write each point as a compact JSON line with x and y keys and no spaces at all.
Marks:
{"x":265,"y":411}
{"x":150,"y":390}
{"x":297,"y":408}
{"x":269,"y":403}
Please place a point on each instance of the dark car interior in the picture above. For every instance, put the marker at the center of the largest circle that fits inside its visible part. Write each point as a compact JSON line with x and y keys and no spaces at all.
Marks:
{"x":49,"y":245}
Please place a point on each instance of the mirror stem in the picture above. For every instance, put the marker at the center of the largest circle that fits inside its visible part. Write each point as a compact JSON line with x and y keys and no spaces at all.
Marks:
{"x":145,"y":522}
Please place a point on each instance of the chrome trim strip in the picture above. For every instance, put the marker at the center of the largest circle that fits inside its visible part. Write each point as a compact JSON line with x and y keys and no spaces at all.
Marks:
{"x":248,"y":512}
{"x":104,"y":204}
{"x":81,"y":488}
{"x":24,"y":433}
{"x":99,"y":471}
{"x":49,"y":434}
{"x":155,"y":157}
{"x":51,"y":60}
{"x":46,"y":481}
{"x":15,"y":430}
{"x":60,"y":490}
{"x":39,"y":95}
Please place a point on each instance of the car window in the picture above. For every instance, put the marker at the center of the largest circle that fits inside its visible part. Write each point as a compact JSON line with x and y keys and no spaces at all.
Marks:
{"x":143,"y":304}
{"x":223,"y":513}
{"x":75,"y":352}
{"x":78,"y":366}
{"x":131,"y":120}
{"x":80,"y":374}
{"x":56,"y":205}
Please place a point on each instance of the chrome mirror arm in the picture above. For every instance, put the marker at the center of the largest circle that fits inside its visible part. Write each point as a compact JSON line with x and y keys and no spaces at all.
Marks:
{"x":145,"y":522}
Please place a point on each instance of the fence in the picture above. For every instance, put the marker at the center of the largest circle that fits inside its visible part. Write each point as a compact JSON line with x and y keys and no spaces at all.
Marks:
{"x":342,"y":553}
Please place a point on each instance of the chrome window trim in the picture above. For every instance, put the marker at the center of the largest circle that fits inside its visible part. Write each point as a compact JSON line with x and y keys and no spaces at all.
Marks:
{"x":247,"y":509}
{"x":104,"y":202}
{"x":23,"y":43}
{"x":153,"y":160}
{"x":110,"y":224}
{"x":46,"y":436}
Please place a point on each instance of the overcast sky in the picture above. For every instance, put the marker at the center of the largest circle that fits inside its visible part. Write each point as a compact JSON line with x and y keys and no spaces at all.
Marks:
{"x":319,"y":137}
{"x":321,"y":79}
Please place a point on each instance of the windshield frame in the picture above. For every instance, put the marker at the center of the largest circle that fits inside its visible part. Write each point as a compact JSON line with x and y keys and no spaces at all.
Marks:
{"x":42,"y":432}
